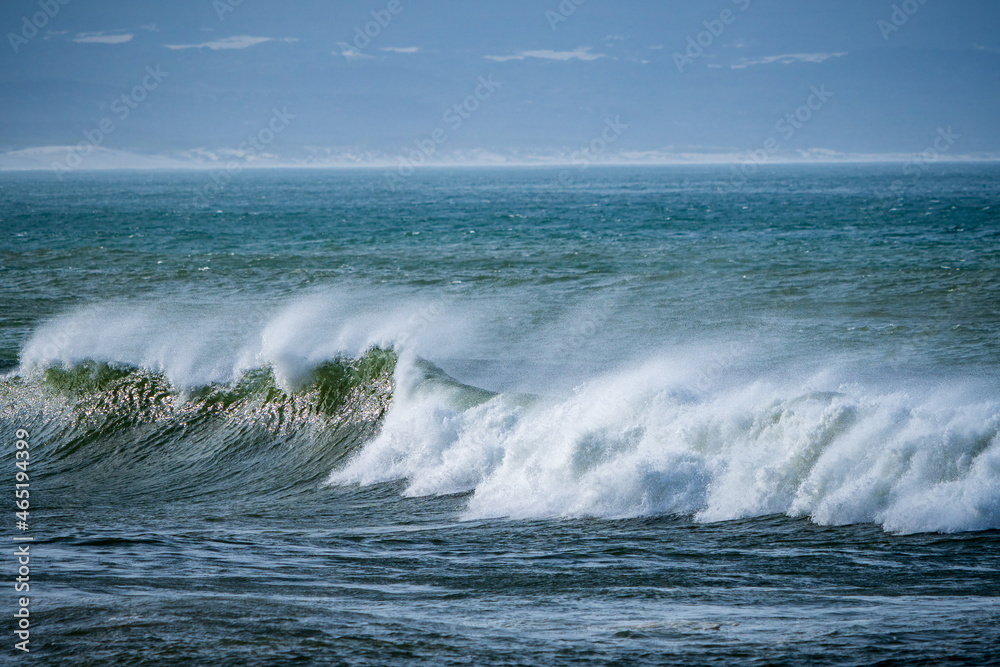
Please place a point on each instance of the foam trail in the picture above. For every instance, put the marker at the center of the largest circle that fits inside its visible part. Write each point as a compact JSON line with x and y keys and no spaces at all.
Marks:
{"x":657,"y":441}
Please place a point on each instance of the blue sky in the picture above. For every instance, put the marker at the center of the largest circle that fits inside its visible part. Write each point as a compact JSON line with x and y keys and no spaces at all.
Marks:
{"x":400,"y":81}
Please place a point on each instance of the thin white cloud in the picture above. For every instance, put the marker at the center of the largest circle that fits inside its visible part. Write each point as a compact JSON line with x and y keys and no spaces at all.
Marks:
{"x":235,"y":42}
{"x":402,"y":49}
{"x":349,"y":53}
{"x":582,"y":53}
{"x":788,"y":58}
{"x":102,"y":38}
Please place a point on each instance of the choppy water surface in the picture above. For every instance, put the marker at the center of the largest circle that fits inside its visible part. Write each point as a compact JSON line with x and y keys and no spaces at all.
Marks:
{"x":651,"y":416}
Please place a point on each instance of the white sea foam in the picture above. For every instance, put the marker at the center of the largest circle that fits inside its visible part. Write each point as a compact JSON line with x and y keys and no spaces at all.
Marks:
{"x":661,"y":439}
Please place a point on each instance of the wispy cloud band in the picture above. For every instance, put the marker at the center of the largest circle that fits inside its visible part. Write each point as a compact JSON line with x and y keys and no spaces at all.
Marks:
{"x":102,"y":38}
{"x":235,"y":42}
{"x":788,"y":59}
{"x":582,"y":53}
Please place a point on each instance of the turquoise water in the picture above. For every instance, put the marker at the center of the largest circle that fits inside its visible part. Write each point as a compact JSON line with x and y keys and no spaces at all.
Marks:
{"x":508,"y":416}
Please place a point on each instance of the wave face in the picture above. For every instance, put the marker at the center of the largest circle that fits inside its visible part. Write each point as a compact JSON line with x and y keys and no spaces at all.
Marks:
{"x":651,"y":441}
{"x":97,"y":420}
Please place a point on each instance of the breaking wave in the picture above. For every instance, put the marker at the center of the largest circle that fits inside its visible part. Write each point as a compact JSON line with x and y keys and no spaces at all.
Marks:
{"x":650,"y":442}
{"x":134,"y":412}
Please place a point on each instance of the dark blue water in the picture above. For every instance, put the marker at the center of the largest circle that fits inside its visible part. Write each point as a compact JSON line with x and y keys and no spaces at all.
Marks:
{"x":652,"y":416}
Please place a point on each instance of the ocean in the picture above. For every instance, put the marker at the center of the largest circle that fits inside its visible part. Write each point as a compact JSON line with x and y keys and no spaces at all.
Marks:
{"x":503,"y":416}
